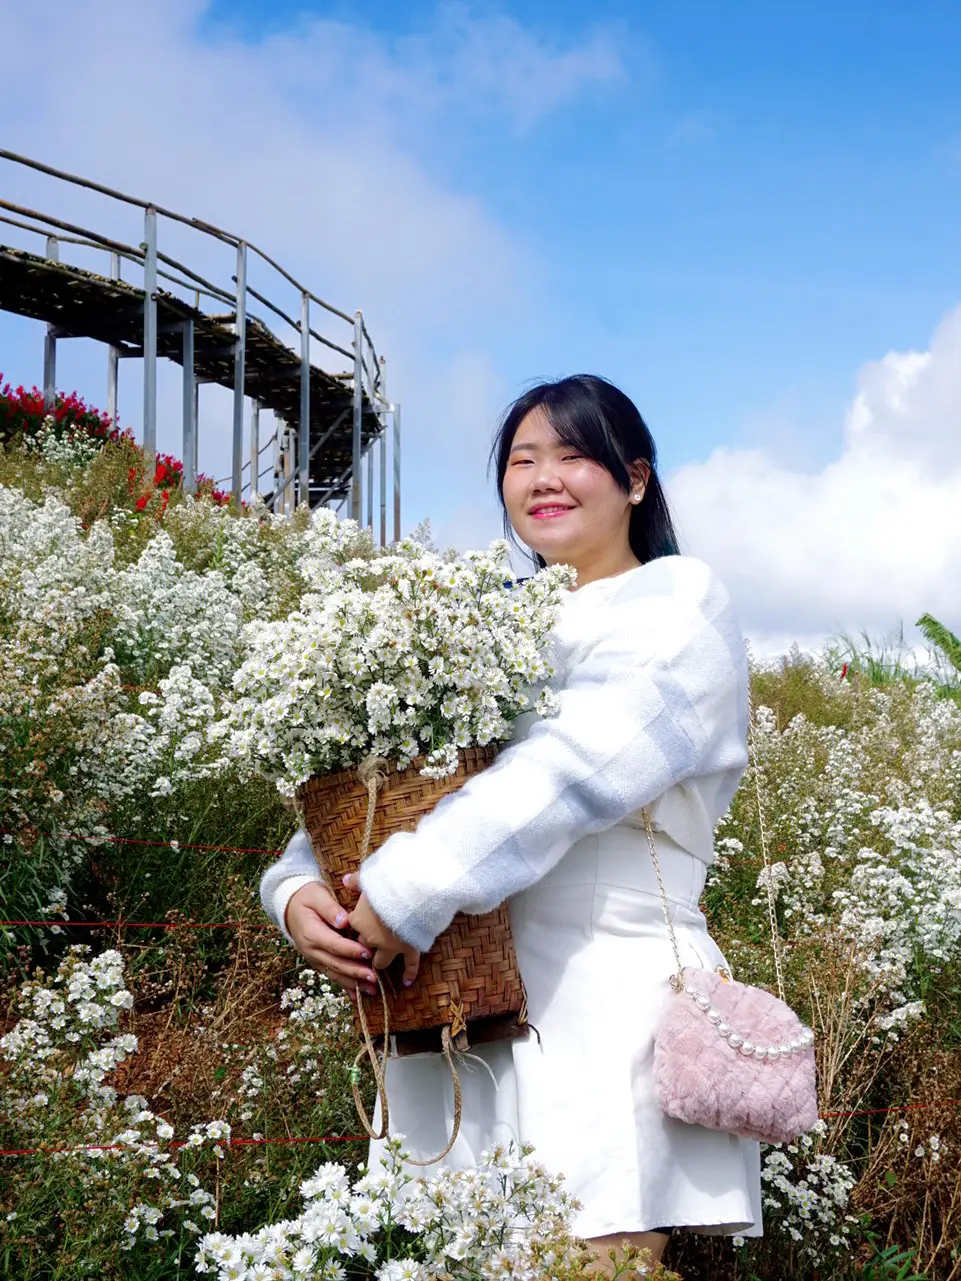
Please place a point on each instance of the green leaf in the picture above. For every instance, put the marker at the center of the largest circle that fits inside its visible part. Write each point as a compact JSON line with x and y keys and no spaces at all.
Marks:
{"x":943,"y":640}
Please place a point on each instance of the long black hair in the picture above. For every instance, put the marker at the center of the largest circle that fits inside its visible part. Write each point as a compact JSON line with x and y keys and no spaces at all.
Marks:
{"x":591,"y":415}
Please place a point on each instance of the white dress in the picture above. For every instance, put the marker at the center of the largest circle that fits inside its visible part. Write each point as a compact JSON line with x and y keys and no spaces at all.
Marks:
{"x":588,"y":926}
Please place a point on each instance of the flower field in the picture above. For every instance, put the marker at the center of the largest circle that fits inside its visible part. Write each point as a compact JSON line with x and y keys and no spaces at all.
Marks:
{"x":164,"y":1059}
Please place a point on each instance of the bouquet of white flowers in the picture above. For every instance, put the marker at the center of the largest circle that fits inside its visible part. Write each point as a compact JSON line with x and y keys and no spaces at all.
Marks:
{"x":391,"y":684}
{"x":397,"y":656}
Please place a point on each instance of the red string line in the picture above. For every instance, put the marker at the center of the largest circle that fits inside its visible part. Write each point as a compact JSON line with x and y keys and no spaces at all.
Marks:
{"x":136,"y":840}
{"x":903,"y":1107}
{"x":362,"y":1138}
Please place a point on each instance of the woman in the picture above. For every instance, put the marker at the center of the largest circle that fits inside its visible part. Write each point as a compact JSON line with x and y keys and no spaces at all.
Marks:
{"x":652,"y":684}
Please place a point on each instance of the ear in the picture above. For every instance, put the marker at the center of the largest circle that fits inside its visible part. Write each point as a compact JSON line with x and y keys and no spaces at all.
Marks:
{"x":640,"y":474}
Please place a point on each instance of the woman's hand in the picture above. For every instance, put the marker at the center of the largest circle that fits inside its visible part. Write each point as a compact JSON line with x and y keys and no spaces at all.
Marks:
{"x":382,"y":941}
{"x":314,"y":920}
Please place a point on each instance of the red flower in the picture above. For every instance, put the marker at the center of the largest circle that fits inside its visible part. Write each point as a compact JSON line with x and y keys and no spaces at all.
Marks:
{"x":142,"y":502}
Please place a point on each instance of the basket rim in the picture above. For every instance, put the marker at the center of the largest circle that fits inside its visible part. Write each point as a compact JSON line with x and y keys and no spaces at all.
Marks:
{"x":349,"y":775}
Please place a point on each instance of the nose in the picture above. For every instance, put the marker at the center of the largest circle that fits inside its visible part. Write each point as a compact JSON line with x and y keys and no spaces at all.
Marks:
{"x":546,"y":479}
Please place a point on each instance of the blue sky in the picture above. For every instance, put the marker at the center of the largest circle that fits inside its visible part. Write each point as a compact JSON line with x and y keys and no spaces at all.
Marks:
{"x":758,"y":200}
{"x":747,"y":215}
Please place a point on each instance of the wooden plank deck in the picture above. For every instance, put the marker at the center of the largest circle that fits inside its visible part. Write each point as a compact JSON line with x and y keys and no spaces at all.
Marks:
{"x":83,"y":304}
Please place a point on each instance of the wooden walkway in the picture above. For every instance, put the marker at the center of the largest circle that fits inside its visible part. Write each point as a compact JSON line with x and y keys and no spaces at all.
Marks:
{"x":82,"y":304}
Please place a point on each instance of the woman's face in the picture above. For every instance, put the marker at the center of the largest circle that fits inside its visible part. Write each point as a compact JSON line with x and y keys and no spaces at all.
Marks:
{"x":567,"y":507}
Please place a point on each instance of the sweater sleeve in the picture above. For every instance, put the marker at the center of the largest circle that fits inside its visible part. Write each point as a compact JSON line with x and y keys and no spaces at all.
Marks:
{"x":295,"y":868}
{"x":652,"y":700}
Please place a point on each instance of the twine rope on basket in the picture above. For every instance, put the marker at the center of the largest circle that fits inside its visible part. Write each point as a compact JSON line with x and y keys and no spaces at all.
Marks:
{"x":379,"y":1065}
{"x":371,"y":773}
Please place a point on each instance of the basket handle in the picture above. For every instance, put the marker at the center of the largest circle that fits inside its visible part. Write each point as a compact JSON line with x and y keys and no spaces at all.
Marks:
{"x":371,"y":774}
{"x":379,"y":1065}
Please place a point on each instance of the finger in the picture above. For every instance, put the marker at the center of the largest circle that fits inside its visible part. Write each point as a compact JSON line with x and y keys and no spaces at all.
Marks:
{"x":341,"y":971}
{"x":383,"y":957}
{"x":411,"y":965}
{"x":320,"y":900}
{"x":308,"y":929}
{"x":327,"y":940}
{"x":331,"y":912}
{"x":351,"y":882}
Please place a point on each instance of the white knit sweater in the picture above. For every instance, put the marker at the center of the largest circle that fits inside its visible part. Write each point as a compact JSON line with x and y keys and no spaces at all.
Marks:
{"x":652,"y":679}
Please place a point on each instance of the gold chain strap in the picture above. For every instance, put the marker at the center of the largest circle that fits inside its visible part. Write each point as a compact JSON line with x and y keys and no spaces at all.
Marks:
{"x":677,"y":980}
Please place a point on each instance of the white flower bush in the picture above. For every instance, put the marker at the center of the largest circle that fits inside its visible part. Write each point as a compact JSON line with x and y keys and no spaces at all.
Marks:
{"x":864,"y":838}
{"x":164,"y":615}
{"x":70,"y":449}
{"x":400,"y":656}
{"x":504,"y":1218}
{"x":294,"y":1064}
{"x":146,"y":662}
{"x":806,"y":1195}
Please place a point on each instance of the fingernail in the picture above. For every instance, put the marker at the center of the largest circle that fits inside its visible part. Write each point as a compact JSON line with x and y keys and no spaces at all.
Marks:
{"x":341,"y":919}
{"x":365,"y":956}
{"x":408,"y":982}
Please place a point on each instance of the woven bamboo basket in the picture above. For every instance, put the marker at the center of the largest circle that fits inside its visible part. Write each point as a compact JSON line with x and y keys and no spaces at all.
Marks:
{"x":469,"y":981}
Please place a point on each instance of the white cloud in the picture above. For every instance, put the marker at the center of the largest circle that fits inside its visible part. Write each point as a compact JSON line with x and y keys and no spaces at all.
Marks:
{"x":321,"y":146}
{"x":870,"y":540}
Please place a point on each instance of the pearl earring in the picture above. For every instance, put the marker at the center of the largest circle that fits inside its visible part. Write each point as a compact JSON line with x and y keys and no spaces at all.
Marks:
{"x":635,"y":498}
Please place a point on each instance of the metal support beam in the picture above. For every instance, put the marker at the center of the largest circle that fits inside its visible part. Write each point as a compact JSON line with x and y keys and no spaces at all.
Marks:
{"x":383,"y":480}
{"x":254,"y":448}
{"x":382,"y":461}
{"x":240,"y":356}
{"x":196,"y":423}
{"x":288,"y":468}
{"x":370,"y":487}
{"x":189,"y":410}
{"x":356,"y":486}
{"x":50,"y":345}
{"x":396,"y":409}
{"x":331,"y":489}
{"x":150,"y":332}
{"x":276,"y":500}
{"x":113,"y":355}
{"x":303,"y":448}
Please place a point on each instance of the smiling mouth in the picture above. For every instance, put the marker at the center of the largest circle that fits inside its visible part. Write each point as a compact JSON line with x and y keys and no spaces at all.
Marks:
{"x":549,"y":512}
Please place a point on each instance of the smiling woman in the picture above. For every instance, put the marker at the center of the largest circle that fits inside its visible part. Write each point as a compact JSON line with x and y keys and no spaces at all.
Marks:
{"x":574,"y":461}
{"x":650,"y":723}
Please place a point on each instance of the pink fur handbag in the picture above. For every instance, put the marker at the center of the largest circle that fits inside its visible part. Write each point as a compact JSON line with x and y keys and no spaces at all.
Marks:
{"x":729,"y":1056}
